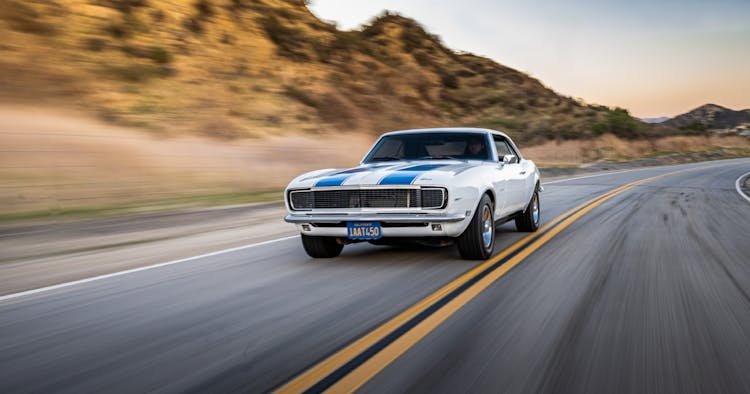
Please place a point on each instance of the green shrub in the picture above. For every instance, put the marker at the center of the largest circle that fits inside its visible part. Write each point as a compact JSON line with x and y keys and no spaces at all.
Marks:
{"x":323,"y":51}
{"x":346,"y":41}
{"x":372,"y":30}
{"x":24,"y":18}
{"x":227,"y":39}
{"x":694,"y":126}
{"x":301,"y":96}
{"x":95,"y":44}
{"x":618,"y":122}
{"x":117,"y":30}
{"x":422,"y":58}
{"x":158,"y":16}
{"x":449,"y":80}
{"x":127,"y":27}
{"x":124,"y":6}
{"x":412,"y":39}
{"x":290,"y":42}
{"x":193,"y":24}
{"x":139,"y":72}
{"x":159,"y":55}
{"x":205,"y":8}
{"x":599,"y":128}
{"x":156,"y":54}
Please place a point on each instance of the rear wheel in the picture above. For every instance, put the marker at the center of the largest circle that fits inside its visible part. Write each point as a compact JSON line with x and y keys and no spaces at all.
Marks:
{"x":478,"y":240}
{"x":321,"y":247}
{"x":528,"y":221}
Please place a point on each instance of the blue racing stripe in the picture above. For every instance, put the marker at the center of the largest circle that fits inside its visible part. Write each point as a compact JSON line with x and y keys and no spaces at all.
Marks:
{"x":335,"y":180}
{"x":423,"y":167}
{"x":340,"y":177}
{"x":400,"y":178}
{"x":406,"y":176}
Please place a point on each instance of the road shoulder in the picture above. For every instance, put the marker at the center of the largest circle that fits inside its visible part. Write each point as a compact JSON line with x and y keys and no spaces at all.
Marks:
{"x":38,"y":256}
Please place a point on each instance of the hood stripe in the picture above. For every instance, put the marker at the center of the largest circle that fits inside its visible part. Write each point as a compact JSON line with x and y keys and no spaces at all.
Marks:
{"x":335,"y":180}
{"x":338,"y":178}
{"x":407,"y":176}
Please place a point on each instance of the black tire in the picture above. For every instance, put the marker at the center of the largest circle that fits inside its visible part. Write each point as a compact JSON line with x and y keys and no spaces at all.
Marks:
{"x":471,"y":244}
{"x":321,"y":247}
{"x":527,"y":221}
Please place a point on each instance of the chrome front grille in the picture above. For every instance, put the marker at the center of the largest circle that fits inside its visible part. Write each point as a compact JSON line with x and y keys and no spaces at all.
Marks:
{"x":432,"y":198}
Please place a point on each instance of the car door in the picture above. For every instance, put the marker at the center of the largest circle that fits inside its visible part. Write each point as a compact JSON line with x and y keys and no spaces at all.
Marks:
{"x":515,"y":175}
{"x":499,"y":184}
{"x":528,"y":169}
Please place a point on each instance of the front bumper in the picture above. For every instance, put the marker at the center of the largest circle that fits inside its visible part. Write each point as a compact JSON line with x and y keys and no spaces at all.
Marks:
{"x":393,"y":225}
{"x":388,"y":218}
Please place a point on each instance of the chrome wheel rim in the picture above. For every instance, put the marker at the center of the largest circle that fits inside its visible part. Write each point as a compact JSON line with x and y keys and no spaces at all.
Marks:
{"x":487,"y":226}
{"x":535,"y":209}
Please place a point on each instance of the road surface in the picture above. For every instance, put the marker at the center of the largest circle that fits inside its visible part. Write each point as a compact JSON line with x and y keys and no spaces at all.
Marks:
{"x":646,"y":290}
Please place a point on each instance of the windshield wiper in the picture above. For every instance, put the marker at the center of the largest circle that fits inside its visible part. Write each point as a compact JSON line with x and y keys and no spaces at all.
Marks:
{"x":386,"y":158}
{"x":437,"y":157}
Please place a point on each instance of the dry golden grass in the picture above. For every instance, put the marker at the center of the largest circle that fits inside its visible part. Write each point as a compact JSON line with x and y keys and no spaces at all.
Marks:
{"x":63,"y":161}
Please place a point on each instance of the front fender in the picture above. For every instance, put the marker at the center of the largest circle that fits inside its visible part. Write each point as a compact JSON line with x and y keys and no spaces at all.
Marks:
{"x":466,"y":192}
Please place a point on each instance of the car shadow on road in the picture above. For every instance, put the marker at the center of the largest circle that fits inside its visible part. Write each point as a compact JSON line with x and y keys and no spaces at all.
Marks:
{"x":365,"y":253}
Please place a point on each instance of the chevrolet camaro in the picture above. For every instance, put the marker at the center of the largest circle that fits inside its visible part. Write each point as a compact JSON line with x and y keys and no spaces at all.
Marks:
{"x":430,"y":185}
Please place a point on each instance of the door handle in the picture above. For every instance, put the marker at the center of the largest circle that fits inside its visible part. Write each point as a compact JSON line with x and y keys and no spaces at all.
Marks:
{"x":523,"y":172}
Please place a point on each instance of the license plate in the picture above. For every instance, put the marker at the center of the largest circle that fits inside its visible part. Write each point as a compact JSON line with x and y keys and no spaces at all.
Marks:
{"x":360,"y":230}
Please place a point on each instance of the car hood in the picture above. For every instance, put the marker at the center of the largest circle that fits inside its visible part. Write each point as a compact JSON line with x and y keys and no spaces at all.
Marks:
{"x":420,"y":172}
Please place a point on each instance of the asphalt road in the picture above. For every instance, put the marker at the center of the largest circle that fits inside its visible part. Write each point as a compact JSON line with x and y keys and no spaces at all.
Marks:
{"x":647,"y":292}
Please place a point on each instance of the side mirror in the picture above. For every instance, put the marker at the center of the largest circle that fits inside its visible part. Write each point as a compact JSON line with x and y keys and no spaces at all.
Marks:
{"x":510,"y":159}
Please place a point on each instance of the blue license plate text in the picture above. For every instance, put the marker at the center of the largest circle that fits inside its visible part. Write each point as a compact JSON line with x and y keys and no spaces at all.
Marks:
{"x":363,"y":230}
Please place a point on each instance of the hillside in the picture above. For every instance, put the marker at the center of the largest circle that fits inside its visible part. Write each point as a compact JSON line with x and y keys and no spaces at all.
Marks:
{"x":714,"y":118}
{"x":236,"y":68}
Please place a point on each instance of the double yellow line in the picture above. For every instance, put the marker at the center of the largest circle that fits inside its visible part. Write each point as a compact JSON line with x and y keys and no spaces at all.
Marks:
{"x":354,"y":365}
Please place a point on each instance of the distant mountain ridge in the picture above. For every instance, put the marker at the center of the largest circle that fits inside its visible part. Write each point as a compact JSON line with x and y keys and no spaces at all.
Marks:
{"x":714,"y":118}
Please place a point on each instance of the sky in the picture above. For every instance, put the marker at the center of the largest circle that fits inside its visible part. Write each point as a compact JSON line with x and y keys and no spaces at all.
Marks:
{"x":654,"y":58}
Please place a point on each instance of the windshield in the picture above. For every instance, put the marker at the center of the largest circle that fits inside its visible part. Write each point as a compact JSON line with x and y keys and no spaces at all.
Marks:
{"x":430,"y":146}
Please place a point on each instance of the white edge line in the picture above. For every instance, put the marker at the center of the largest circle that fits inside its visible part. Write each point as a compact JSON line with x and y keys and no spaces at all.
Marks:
{"x":130,"y":271}
{"x":739,"y":189}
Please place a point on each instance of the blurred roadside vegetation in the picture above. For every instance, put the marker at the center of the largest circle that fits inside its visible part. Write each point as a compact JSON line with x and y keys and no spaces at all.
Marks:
{"x":264,"y":90}
{"x":170,"y":203}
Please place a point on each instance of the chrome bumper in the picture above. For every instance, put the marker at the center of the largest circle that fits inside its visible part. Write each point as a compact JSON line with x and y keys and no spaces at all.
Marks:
{"x":390,"y":218}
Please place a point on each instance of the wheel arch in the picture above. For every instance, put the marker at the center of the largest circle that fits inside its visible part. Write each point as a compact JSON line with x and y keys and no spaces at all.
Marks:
{"x":491,"y":193}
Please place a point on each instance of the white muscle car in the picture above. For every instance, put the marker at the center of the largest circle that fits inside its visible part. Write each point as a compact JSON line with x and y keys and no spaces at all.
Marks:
{"x":426,"y":185}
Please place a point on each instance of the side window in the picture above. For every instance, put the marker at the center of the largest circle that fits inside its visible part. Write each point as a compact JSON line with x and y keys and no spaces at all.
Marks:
{"x":502,"y":147}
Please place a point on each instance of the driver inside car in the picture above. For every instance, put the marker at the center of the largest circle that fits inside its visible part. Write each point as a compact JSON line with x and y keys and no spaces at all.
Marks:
{"x":476,"y":149}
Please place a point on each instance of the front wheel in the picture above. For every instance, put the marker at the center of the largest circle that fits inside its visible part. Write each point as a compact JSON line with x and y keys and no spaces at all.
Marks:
{"x":321,"y":247}
{"x":528,"y":221}
{"x":478,"y":240}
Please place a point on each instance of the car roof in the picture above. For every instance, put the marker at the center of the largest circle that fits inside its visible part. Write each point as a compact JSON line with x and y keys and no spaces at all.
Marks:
{"x":448,"y":130}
